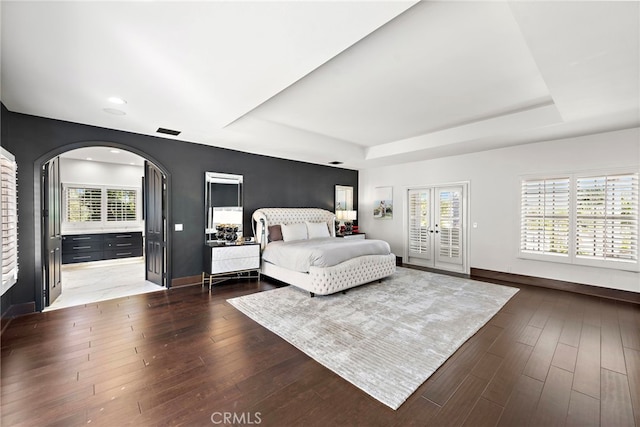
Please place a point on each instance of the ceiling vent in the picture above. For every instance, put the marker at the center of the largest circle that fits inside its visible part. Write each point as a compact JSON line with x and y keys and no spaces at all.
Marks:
{"x":168,"y":131}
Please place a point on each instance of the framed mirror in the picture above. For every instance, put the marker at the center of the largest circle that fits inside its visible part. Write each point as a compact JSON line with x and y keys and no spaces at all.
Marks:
{"x":223,"y":207}
{"x":344,"y":198}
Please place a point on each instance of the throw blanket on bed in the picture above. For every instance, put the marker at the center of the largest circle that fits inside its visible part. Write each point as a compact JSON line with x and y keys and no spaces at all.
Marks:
{"x":299,"y":255}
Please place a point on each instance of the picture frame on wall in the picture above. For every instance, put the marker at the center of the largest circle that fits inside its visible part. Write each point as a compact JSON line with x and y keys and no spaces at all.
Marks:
{"x":383,"y":203}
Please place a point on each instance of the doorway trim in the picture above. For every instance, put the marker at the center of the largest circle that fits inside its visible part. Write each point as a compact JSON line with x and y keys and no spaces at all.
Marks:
{"x":37,"y":208}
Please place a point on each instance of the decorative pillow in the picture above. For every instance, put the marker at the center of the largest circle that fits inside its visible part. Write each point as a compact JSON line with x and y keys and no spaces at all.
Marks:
{"x":317,"y":229}
{"x":275,"y":233}
{"x":291,"y":232}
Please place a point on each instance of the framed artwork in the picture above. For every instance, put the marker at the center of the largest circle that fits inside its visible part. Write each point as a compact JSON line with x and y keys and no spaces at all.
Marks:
{"x":383,"y":203}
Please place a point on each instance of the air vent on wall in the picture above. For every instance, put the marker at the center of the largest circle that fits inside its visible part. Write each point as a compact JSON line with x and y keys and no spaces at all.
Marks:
{"x":168,"y":131}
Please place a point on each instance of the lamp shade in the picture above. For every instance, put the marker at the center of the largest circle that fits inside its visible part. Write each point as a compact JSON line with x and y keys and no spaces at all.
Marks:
{"x":351,"y":215}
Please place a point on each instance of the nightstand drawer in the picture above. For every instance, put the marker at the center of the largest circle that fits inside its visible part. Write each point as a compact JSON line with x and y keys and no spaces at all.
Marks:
{"x":229,"y":258}
{"x":234,"y":251}
{"x":234,"y":264}
{"x":354,"y":236}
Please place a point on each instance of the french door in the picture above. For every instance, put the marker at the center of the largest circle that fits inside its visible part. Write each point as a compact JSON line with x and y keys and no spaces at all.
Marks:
{"x":437,"y":234}
{"x":52,"y":255}
{"x":155,"y":224}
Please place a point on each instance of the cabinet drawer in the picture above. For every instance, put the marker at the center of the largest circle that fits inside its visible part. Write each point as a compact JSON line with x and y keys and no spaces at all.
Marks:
{"x":114,"y":239}
{"x":82,"y":240}
{"x":81,"y":246}
{"x":131,"y":244}
{"x":70,"y":258}
{"x":122,"y":253}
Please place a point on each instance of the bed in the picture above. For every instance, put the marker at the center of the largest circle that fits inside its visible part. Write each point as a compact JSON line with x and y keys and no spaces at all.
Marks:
{"x":362,"y":261}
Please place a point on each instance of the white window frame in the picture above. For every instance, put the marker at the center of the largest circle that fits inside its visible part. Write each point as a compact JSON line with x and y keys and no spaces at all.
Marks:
{"x":572,"y":257}
{"x":103,"y":224}
{"x":9,"y":170}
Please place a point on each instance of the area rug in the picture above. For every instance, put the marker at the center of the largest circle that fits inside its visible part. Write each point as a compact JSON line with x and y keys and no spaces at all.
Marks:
{"x":385,"y":338}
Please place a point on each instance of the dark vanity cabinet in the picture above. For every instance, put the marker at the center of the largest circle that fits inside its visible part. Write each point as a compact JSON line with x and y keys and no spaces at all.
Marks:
{"x":102,"y":246}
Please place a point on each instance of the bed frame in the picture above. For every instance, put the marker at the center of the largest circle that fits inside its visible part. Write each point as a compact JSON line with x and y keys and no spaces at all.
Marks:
{"x":319,"y":280}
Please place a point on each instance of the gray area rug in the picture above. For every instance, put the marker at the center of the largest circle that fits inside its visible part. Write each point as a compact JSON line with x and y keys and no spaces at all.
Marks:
{"x":385,"y":338}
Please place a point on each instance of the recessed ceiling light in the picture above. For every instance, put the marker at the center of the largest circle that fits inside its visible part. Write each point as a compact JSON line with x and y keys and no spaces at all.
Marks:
{"x":116,"y":100}
{"x":89,"y":158}
{"x":114,"y":151}
{"x":114,"y":111}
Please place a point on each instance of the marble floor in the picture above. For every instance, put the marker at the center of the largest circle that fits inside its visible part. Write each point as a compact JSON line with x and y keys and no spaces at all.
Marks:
{"x":90,"y":282}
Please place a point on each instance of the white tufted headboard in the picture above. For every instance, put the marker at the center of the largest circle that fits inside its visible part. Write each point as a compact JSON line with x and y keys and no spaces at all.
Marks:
{"x":264,"y":217}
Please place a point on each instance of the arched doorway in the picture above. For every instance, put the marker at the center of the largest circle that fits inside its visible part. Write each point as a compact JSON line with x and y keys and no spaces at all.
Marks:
{"x":101,"y":177}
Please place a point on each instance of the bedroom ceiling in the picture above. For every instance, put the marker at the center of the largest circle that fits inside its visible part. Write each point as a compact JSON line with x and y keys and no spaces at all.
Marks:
{"x":366,"y":82}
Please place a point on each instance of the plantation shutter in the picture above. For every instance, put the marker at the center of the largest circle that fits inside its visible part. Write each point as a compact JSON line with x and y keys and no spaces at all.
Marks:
{"x":83,"y":204}
{"x":419,"y":223}
{"x":121,"y":205}
{"x":8,"y":172}
{"x":450,"y":225}
{"x":544,"y":221}
{"x":607,"y":217}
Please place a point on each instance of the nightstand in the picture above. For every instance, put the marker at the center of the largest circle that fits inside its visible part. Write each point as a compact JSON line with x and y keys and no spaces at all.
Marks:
{"x":227,"y":261}
{"x":353,"y":236}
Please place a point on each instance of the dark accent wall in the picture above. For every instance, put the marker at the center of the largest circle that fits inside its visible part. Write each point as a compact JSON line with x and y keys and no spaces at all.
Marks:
{"x":268,"y":182}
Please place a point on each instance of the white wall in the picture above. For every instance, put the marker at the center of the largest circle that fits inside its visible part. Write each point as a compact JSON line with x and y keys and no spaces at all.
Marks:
{"x":73,"y":171}
{"x":100,"y":173}
{"x":494,"y":178}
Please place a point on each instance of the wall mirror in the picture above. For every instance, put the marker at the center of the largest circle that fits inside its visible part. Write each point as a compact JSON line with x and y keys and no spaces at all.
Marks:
{"x":223,"y":207}
{"x":344,"y":198}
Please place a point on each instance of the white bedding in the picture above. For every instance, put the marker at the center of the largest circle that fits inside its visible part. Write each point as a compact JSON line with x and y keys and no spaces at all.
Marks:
{"x":299,"y":255}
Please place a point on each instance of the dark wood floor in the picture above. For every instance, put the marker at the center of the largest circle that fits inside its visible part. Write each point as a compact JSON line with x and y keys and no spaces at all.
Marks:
{"x":180,"y":357}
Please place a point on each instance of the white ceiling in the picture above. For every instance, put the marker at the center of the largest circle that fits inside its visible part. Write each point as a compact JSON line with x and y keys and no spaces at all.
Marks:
{"x":364,"y":82}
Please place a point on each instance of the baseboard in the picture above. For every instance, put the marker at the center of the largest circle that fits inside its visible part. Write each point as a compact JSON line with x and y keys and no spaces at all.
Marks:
{"x":435,"y":270}
{"x":15,"y":311}
{"x":616,"y":294}
{"x":186,"y":281}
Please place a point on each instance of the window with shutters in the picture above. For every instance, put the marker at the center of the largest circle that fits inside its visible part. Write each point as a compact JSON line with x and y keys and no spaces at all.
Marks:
{"x":95,"y":207}
{"x":544,"y":227}
{"x":83,"y":204}
{"x":8,"y":173}
{"x":586,"y":219}
{"x":607,"y":218}
{"x":121,"y":205}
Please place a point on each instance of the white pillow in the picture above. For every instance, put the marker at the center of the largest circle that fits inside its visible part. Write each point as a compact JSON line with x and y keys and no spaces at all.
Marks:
{"x":317,"y":229}
{"x":291,"y":232}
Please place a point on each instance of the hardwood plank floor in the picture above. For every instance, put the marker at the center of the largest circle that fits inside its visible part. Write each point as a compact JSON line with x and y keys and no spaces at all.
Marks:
{"x":187,"y":357}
